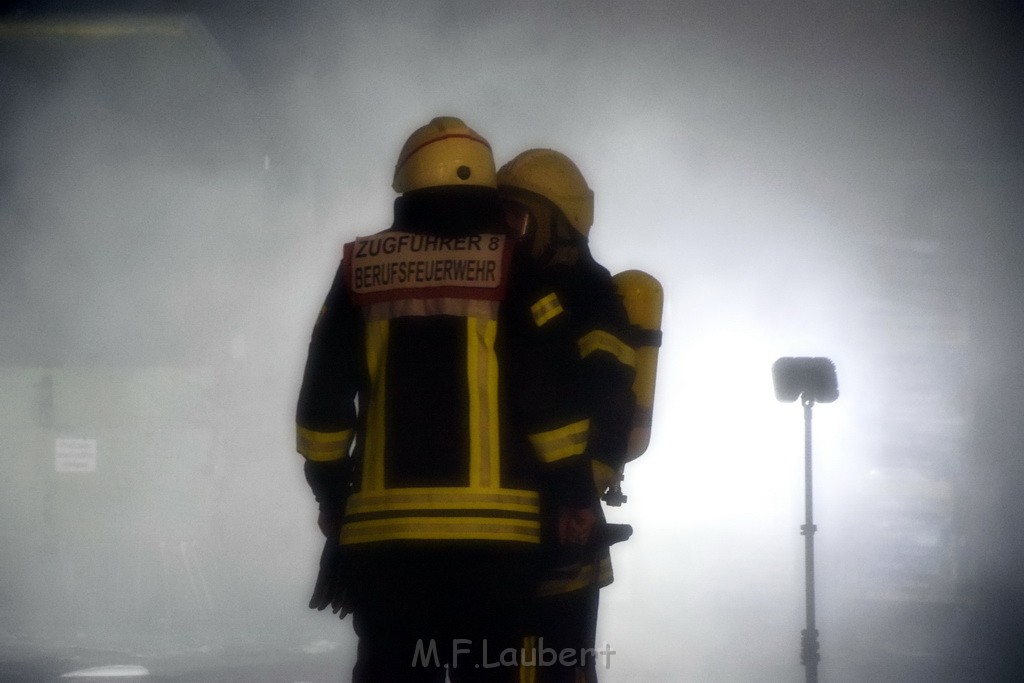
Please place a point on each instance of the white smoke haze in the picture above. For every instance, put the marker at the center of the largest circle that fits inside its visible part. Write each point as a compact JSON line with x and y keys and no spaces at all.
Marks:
{"x":804,"y":180}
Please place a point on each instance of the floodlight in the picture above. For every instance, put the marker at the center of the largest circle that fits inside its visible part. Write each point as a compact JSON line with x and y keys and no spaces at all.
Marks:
{"x":812,"y":380}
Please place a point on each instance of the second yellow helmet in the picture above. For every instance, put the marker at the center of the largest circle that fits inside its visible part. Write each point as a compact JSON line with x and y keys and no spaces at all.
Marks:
{"x":555,"y":177}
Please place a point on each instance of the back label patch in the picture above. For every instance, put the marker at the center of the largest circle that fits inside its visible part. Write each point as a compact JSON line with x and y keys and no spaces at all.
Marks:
{"x":400,"y":265}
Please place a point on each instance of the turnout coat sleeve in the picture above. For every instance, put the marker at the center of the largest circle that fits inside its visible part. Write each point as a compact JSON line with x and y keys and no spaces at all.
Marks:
{"x":607,"y":368}
{"x":546,"y":392}
{"x":326,"y":416}
{"x":603,"y":356}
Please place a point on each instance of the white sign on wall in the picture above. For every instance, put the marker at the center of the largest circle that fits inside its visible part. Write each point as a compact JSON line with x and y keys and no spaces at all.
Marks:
{"x":75,"y":455}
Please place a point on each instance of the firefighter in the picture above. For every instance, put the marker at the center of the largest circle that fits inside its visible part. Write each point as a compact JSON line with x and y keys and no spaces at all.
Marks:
{"x":429,"y":417}
{"x":548,"y":202}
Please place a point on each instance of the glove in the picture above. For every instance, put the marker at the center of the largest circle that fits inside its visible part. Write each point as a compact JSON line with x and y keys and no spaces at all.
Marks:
{"x":331,"y":587}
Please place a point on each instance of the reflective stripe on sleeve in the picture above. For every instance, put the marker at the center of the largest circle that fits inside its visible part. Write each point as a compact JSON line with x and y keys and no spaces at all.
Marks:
{"x":322,"y":446}
{"x":545,"y":309}
{"x":599,"y":340}
{"x":576,"y":576}
{"x":564,"y":442}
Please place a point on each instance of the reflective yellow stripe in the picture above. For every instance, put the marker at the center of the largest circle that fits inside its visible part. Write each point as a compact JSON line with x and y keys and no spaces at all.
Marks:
{"x":460,"y":513}
{"x":473,"y":384}
{"x":563,"y":442}
{"x":322,"y":446}
{"x":528,"y":667}
{"x":491,"y":474}
{"x":577,"y":577}
{"x":441,"y":528}
{"x":376,"y":352}
{"x":482,"y":376}
{"x":545,"y":309}
{"x":450,"y":498}
{"x":599,"y":340}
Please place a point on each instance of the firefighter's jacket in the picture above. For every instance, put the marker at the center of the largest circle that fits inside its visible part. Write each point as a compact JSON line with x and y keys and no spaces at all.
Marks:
{"x":603,"y":373}
{"x":604,"y":367}
{"x":432,"y":369}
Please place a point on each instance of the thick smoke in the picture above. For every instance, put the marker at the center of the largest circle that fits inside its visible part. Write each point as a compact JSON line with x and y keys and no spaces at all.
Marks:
{"x":176,"y":185}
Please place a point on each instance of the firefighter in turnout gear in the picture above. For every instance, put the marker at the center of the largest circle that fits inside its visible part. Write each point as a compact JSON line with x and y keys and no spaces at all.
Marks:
{"x":547,"y":201}
{"x":430,"y":418}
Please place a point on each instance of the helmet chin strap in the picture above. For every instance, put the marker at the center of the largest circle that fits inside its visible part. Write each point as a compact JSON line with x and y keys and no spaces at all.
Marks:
{"x":562,"y":245}
{"x":551,"y":237}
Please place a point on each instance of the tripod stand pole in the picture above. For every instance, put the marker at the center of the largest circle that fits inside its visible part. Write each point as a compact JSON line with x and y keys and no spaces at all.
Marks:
{"x":809,"y":648}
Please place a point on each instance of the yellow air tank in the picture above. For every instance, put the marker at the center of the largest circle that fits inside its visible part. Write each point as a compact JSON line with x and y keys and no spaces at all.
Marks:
{"x":643,"y":298}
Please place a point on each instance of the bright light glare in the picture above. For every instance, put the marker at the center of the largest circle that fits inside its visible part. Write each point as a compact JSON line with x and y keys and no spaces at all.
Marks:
{"x":721,"y":438}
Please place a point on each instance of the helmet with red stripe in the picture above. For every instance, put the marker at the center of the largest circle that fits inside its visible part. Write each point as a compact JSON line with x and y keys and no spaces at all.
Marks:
{"x":445,"y":152}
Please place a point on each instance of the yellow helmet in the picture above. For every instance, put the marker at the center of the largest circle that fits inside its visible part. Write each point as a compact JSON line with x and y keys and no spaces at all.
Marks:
{"x":444,"y":152}
{"x":555,"y":177}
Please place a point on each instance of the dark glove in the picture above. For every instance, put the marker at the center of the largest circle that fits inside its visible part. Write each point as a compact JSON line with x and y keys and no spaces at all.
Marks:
{"x":331,"y":586}
{"x":616,"y":533}
{"x":576,"y":525}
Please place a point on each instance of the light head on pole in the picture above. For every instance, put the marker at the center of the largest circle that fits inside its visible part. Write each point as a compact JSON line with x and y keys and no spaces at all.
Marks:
{"x":809,"y":379}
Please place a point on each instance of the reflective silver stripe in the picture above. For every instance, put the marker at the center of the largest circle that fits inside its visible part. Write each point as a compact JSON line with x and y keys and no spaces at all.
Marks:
{"x":466,"y":308}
